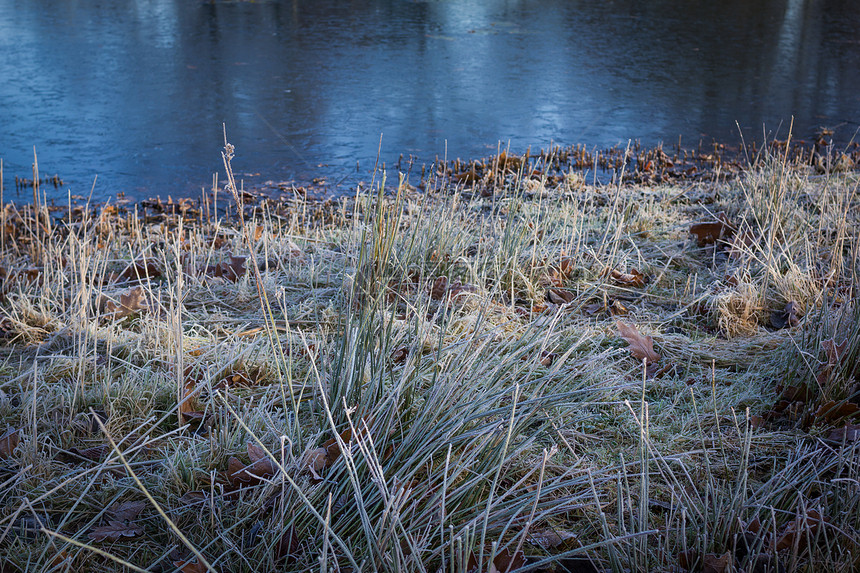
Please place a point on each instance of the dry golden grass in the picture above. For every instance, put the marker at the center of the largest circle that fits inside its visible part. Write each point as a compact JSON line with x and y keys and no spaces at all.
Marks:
{"x":436,"y":382}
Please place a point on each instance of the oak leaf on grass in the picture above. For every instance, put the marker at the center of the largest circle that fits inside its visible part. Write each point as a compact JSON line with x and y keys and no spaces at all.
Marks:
{"x":288,"y":547}
{"x":848,"y":434}
{"x":138,"y":271}
{"x":261,"y":464}
{"x":503,"y":562}
{"x":130,"y":303}
{"x":126,"y":511}
{"x":800,"y":531}
{"x":439,"y":288}
{"x":8,"y":443}
{"x":633,"y":278}
{"x":231,"y":270}
{"x":835,"y":352}
{"x":559,"y":296}
{"x":400,"y":355}
{"x":115,"y":530}
{"x":641,"y":347}
{"x":713,"y":563}
{"x":190,"y":566}
{"x":318,"y":459}
{"x":707,"y":233}
{"x":315,"y":461}
{"x":95,"y":453}
{"x":260,"y":469}
{"x":710,"y":232}
{"x":457,"y":289}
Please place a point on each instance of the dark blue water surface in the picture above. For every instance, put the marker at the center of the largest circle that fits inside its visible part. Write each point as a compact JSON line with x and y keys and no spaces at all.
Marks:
{"x":136,"y":92}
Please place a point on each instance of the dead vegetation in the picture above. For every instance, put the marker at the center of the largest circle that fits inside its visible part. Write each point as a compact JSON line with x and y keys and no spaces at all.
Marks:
{"x":506,"y":371}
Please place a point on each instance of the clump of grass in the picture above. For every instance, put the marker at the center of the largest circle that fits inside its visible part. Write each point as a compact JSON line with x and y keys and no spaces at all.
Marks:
{"x":435,"y":382}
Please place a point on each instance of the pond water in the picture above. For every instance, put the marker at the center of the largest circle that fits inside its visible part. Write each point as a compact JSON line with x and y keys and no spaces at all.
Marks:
{"x":136,"y":92}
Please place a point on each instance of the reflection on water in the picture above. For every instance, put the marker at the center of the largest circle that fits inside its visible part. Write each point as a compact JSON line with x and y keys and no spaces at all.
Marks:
{"x":137,"y":92}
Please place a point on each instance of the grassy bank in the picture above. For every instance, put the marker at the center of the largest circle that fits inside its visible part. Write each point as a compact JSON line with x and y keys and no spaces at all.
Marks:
{"x":506,"y":371}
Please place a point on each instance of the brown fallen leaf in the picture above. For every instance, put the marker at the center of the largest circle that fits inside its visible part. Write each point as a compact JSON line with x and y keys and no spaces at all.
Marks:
{"x":547,"y":358}
{"x":713,"y":563}
{"x":552,"y":278}
{"x":236,"y":474}
{"x":192,"y":376}
{"x":140,"y":270}
{"x":556,"y":270}
{"x":261,"y":464}
{"x":256,"y":453}
{"x":288,"y":548}
{"x":237,"y":378}
{"x":633,"y":279}
{"x":57,"y":561}
{"x":318,"y":459}
{"x":114,"y":530}
{"x":559,"y":296}
{"x":96,"y":453}
{"x":231,"y":270}
{"x":130,"y":303}
{"x":400,"y":355}
{"x":190,"y":566}
{"x":711,"y":232}
{"x":754,"y":526}
{"x":707,"y":233}
{"x":457,"y":289}
{"x":618,"y":309}
{"x":847,"y":434}
{"x":553,"y":539}
{"x":8,"y":443}
{"x":565,"y":266}
{"x":800,"y":531}
{"x":832,"y":412}
{"x":835,"y":352}
{"x":261,"y":468}
{"x":315,"y":460}
{"x":787,"y":317}
{"x":687,"y":559}
{"x":641,"y":347}
{"x":126,"y":511}
{"x":799,"y":393}
{"x":503,"y":562}
{"x":439,"y":288}
{"x":333,"y":448}
{"x":234,"y":269}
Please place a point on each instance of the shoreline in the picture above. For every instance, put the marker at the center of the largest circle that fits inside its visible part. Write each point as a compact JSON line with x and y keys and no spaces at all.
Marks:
{"x":643,"y":165}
